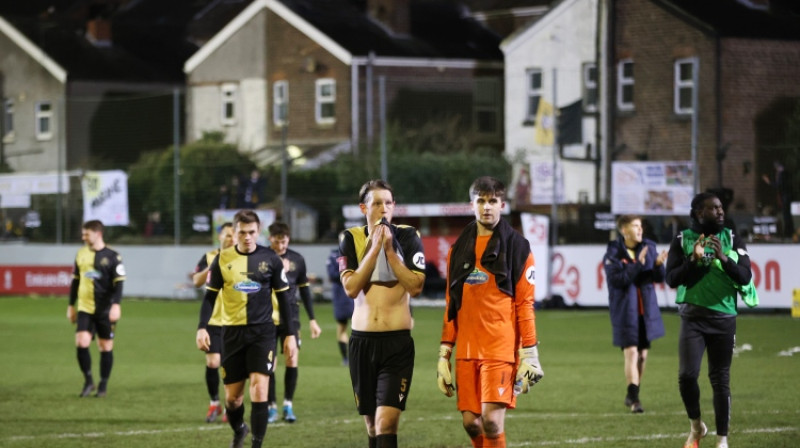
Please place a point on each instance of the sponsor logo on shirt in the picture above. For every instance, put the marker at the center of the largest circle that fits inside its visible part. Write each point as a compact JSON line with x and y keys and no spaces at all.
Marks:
{"x":419,"y":260}
{"x":477,"y":277}
{"x":247,"y":286}
{"x":530,"y":275}
{"x":93,"y":275}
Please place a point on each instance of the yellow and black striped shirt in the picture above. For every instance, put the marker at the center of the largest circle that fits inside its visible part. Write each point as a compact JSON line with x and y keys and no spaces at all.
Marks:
{"x":244,"y":283}
{"x":98,"y":276}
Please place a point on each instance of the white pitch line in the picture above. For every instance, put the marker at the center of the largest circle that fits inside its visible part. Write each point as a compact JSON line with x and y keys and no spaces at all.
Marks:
{"x":589,"y":440}
{"x":578,"y":441}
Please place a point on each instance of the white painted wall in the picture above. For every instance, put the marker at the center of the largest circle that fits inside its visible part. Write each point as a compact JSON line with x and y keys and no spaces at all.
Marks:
{"x":563,"y":39}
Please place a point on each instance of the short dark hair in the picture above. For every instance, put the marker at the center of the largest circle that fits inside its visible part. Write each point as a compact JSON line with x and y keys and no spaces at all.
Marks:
{"x":486,"y":185}
{"x":225,"y":225}
{"x":624,"y":220}
{"x":279,"y":228}
{"x":374,"y":184}
{"x":246,"y":216}
{"x":697,"y":203}
{"x":94,"y":225}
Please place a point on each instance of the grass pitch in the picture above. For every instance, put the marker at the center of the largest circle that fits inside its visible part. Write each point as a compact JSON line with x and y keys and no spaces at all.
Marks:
{"x":157,"y":395}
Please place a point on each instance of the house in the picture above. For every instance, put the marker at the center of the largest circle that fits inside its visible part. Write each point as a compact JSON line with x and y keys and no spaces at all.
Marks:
{"x":312,"y":75}
{"x":742,"y":65}
{"x":552,"y":62}
{"x":80,"y":88}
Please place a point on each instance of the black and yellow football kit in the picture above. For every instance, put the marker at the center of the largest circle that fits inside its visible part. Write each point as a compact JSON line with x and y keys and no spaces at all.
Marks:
{"x":96,"y":285}
{"x":244,"y":283}
{"x":298,"y":283}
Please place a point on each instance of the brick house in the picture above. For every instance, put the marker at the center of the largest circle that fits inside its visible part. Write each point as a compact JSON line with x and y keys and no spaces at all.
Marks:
{"x":748,"y":63}
{"x":315,"y":70}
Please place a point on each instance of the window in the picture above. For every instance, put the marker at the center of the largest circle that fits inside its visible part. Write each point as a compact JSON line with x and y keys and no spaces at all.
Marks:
{"x":533,"y":78}
{"x":487,"y":103}
{"x":590,"y":87}
{"x":625,"y":84}
{"x":44,"y":120}
{"x":325,"y":108}
{"x":684,"y":85}
{"x":229,"y":104}
{"x":8,"y":119}
{"x":280,"y":102}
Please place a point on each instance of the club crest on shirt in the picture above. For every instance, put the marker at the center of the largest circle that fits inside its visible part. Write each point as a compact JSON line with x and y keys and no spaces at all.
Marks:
{"x":477,"y":277}
{"x":263,"y":267}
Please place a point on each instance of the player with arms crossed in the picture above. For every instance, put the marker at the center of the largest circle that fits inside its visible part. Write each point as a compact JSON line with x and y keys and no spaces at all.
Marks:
{"x":489,"y":318}
{"x":381,"y":266}
{"x":244,"y":276}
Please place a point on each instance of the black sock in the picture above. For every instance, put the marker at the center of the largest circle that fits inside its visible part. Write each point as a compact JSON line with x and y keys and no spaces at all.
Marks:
{"x":106,"y":363}
{"x":272,"y":395}
{"x":212,"y":383}
{"x":373,"y":442}
{"x":633,"y":392}
{"x":290,"y":383}
{"x":386,"y":441}
{"x":343,"y":349}
{"x":258,"y":421}
{"x":235,"y":417}
{"x":85,"y":364}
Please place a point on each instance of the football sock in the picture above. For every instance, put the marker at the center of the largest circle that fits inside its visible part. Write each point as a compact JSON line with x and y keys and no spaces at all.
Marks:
{"x":235,"y":417}
{"x":85,"y":364}
{"x":106,"y":363}
{"x":477,"y":441}
{"x":343,"y":349}
{"x":497,"y":442}
{"x":271,"y":394}
{"x":633,"y":392}
{"x":386,"y":441}
{"x":373,"y":442}
{"x":212,"y":383}
{"x":290,"y":383}
{"x":258,"y":421}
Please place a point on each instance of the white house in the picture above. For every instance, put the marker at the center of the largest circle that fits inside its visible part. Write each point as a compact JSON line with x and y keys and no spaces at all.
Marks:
{"x":554,"y":60}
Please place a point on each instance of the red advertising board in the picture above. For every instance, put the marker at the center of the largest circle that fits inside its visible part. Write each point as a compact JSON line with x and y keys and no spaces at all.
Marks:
{"x":35,"y":279}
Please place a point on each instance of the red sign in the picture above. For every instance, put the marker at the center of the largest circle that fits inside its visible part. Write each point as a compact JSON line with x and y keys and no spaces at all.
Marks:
{"x":35,"y":279}
{"x":436,"y":248}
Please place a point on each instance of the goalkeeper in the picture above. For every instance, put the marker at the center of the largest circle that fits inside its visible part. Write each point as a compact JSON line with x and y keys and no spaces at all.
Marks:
{"x":489,"y":318}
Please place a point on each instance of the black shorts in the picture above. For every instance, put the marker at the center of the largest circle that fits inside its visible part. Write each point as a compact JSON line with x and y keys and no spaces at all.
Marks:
{"x":644,"y":343}
{"x":96,"y":324}
{"x":215,"y":335}
{"x":381,"y":366}
{"x":247,"y":349}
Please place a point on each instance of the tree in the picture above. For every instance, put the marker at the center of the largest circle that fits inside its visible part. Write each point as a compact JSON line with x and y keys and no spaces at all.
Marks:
{"x":205,"y":165}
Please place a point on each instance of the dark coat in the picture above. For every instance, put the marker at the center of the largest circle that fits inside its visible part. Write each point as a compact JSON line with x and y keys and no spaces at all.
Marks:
{"x":626,"y":279}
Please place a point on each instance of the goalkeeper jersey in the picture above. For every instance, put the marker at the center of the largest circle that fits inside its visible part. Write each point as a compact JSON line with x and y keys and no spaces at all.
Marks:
{"x":491,"y":324}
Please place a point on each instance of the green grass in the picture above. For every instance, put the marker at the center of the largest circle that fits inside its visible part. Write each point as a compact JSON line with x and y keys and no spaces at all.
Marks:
{"x":157,"y":394}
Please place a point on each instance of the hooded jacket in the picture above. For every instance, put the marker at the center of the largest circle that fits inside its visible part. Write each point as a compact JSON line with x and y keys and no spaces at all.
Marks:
{"x":631,"y":292}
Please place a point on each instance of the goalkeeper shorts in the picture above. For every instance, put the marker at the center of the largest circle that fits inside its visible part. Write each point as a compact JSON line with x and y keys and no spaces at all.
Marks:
{"x":484,"y":381}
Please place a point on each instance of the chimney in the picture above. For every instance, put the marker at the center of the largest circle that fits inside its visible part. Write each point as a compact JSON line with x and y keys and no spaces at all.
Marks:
{"x":98,"y":31}
{"x":392,"y":14}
